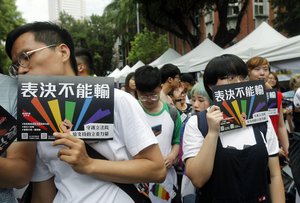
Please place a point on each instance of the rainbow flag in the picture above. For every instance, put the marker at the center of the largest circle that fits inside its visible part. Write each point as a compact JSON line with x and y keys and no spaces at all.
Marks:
{"x":159,"y":191}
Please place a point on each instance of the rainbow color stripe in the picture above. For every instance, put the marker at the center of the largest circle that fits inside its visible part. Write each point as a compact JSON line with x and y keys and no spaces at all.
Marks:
{"x":159,"y":191}
{"x":70,"y":107}
{"x":235,"y":110}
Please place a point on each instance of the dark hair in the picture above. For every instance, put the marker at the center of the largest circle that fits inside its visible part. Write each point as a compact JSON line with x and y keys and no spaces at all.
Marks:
{"x":147,"y":78}
{"x":127,"y":79}
{"x":222,"y":66}
{"x":187,"y":77}
{"x":46,"y":32}
{"x":168,"y":70}
{"x":84,"y":55}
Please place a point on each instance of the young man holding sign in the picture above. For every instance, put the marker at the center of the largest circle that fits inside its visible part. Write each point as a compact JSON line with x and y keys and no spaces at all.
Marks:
{"x":43,"y":48}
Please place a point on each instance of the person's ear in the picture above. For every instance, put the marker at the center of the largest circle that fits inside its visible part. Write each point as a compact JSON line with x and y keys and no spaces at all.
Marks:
{"x":80,"y":67}
{"x":64,"y":52}
{"x":170,"y":79}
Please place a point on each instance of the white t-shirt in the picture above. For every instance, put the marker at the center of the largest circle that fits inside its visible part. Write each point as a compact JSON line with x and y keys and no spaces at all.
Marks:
{"x":193,"y":139}
{"x":131,"y":135}
{"x":163,"y":125}
{"x":164,"y":122}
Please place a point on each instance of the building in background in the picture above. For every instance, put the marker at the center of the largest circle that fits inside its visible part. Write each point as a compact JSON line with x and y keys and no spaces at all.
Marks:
{"x":75,"y":8}
{"x":258,"y":11}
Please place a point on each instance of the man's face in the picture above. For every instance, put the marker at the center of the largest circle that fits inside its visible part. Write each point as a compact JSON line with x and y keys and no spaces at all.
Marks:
{"x":149,"y":100}
{"x":175,"y":82}
{"x":48,"y":61}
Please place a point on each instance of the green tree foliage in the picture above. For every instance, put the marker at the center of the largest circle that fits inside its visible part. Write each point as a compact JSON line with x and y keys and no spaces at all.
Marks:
{"x":9,"y":19}
{"x":287,"y":18}
{"x":224,"y":36}
{"x":147,"y":46}
{"x":122,"y":15}
{"x":176,"y":16}
{"x":94,"y":34}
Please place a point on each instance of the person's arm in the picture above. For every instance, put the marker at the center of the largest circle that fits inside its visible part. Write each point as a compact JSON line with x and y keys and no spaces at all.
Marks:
{"x":17,"y":167}
{"x":276,"y":186}
{"x":200,"y":167}
{"x":44,"y":191}
{"x":147,"y":166}
{"x":282,"y":133}
{"x":170,"y":159}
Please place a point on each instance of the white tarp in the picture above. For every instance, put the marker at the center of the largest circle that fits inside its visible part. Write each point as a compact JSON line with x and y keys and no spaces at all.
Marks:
{"x":207,"y":49}
{"x":167,"y":56}
{"x":282,"y":56}
{"x":136,"y":66}
{"x":263,"y":36}
{"x":126,"y":70}
{"x":114,"y":73}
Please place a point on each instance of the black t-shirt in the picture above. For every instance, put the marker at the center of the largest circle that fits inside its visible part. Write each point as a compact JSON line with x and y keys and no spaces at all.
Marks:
{"x":296,"y":119}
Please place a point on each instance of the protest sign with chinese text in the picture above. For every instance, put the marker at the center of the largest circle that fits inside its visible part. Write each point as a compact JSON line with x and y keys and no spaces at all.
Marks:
{"x":242,"y":104}
{"x":45,"y":101}
{"x":272,"y":102}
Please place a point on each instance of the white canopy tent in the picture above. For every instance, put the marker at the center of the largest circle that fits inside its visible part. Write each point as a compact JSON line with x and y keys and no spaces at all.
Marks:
{"x":168,"y":55}
{"x":136,"y":66}
{"x":114,"y":73}
{"x":282,"y":56}
{"x":122,"y":76}
{"x":207,"y":49}
{"x":124,"y":71}
{"x":263,"y":36}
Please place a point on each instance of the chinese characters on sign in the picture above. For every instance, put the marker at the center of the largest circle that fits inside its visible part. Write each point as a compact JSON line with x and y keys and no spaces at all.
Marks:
{"x":44,"y":102}
{"x":272,"y":102}
{"x":42,"y":90}
{"x":242,"y":104}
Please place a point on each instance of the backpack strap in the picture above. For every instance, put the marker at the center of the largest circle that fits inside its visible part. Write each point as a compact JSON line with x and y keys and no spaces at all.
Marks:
{"x":173,"y":112}
{"x":260,"y":127}
{"x":202,"y":122}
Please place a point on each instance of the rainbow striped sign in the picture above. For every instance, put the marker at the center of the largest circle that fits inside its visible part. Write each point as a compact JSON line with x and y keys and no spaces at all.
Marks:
{"x":242,"y":104}
{"x":44,"y":102}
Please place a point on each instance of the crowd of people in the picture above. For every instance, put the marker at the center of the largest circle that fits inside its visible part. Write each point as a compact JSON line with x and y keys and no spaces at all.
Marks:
{"x":167,"y":141}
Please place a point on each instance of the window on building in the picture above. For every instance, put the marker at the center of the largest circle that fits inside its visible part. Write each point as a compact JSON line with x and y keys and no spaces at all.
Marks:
{"x":260,"y":7}
{"x":175,"y":42}
{"x":197,"y":22}
{"x":209,"y":17}
{"x":233,"y":8}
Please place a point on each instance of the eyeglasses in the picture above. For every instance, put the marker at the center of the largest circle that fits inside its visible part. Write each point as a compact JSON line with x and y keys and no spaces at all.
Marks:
{"x":153,"y":97}
{"x":23,"y":60}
